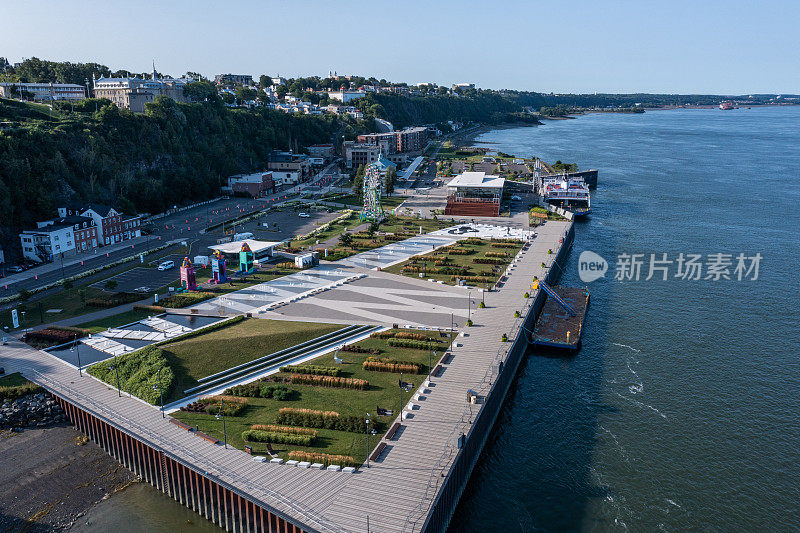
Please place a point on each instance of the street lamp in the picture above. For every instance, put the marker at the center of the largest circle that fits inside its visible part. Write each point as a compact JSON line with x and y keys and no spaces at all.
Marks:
{"x":469,"y":301}
{"x":222,"y":410}
{"x":366,"y":432}
{"x":77,"y":347}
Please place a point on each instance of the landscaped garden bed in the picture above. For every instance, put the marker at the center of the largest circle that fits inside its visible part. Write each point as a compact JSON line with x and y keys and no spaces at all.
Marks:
{"x":337,"y":414}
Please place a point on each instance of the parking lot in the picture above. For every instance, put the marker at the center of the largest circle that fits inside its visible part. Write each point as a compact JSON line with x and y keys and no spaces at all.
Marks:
{"x":151,"y":278}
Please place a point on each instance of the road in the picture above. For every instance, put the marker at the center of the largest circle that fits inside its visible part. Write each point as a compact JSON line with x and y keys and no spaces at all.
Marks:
{"x":182,"y":225}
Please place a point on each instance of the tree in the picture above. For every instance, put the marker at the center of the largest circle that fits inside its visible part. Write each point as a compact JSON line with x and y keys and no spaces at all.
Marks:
{"x":264,"y":81}
{"x":246,"y":94}
{"x":391,"y":179}
{"x":282,"y":91}
{"x":358,"y":180}
{"x":228,"y":98}
{"x":345,"y":239}
{"x":200,"y":91}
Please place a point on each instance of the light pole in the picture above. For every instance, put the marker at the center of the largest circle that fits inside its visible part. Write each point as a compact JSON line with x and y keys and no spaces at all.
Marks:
{"x":116,"y":369}
{"x":161,"y":393}
{"x":366,"y":432}
{"x":222,"y":410}
{"x":401,"y":396}
{"x":469,"y":306}
{"x":78,"y":353}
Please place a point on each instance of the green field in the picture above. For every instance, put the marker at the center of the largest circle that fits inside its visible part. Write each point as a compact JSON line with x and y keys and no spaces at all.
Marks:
{"x":383,"y":391}
{"x":219,"y":350}
{"x":479,"y":248}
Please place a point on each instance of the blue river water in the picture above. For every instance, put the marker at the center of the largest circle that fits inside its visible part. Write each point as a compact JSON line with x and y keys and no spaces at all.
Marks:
{"x":682,"y":409}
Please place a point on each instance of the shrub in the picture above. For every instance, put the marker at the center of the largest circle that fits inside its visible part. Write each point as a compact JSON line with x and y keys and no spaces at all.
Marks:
{"x":469,"y":322}
{"x":312,"y":369}
{"x":329,"y":381}
{"x":460,"y":251}
{"x":55,"y":335}
{"x":323,"y":458}
{"x":12,"y":392}
{"x":254,"y":435}
{"x":154,"y":308}
{"x":412,"y":344}
{"x":389,"y":365}
{"x":138,"y":373}
{"x":185,"y":299}
{"x":355,"y":348}
{"x":516,"y":314}
{"x":234,"y":405}
{"x":294,"y":416}
{"x":504,"y":338}
{"x":502,"y":255}
{"x":504,"y":245}
{"x":258,"y":389}
{"x":481,"y":305}
{"x":488,"y":261}
{"x":285,"y":429}
{"x":473,"y":279}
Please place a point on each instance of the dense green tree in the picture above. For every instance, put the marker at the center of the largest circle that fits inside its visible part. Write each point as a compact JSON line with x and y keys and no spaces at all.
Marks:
{"x":358,"y":179}
{"x":246,"y":94}
{"x":264,"y":81}
{"x":391,"y":179}
{"x":200,"y":91}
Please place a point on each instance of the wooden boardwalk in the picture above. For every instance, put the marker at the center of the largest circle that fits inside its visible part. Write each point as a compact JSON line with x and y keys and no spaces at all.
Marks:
{"x":397,"y":492}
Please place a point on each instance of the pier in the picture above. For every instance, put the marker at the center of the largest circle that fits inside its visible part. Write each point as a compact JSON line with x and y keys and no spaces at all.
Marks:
{"x":418,"y":471}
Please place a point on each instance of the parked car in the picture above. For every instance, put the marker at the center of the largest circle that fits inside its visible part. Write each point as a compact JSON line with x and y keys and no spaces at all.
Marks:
{"x":166,"y":265}
{"x":16,"y":268}
{"x":304,"y":215}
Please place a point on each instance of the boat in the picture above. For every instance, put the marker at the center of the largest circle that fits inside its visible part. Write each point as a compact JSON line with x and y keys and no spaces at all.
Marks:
{"x":568,"y":192}
{"x":726,"y":105}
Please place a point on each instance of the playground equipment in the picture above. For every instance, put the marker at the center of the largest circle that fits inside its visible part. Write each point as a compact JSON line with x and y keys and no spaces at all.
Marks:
{"x":554,"y":295}
{"x":218,"y":270}
{"x":373,"y":183}
{"x":246,"y":260}
{"x":188,"y":282}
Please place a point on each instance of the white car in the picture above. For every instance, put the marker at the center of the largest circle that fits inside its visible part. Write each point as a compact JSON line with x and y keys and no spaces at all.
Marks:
{"x":166,"y":265}
{"x":305,"y":215}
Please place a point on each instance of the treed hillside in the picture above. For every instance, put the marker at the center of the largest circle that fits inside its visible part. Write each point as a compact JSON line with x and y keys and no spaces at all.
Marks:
{"x":173,"y":154}
{"x":477,"y":106}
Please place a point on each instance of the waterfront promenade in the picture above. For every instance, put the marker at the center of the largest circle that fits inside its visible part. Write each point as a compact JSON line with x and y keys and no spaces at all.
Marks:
{"x":400,"y":488}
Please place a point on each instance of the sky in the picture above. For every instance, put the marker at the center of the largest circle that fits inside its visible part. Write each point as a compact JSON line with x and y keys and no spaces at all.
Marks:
{"x":695,"y":47}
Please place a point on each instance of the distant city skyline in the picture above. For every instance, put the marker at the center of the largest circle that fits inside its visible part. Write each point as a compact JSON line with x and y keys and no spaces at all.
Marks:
{"x":571,"y":47}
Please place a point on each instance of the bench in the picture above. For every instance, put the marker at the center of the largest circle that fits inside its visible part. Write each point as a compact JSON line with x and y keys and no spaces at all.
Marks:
{"x":181,"y":425}
{"x":448,"y":357}
{"x":209,"y":438}
{"x":378,"y":451}
{"x":392,"y":431}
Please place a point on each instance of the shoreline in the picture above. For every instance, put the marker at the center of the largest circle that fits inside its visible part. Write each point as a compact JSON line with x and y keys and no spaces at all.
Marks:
{"x":52,"y":476}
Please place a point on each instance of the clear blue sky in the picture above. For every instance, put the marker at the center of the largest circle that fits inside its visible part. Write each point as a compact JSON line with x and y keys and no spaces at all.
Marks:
{"x":730,"y":47}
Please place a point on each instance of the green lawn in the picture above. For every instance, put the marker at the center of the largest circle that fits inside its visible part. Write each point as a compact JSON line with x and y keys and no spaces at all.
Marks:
{"x":383,"y":391}
{"x":479,"y":247}
{"x":334,"y":229}
{"x":219,"y":350}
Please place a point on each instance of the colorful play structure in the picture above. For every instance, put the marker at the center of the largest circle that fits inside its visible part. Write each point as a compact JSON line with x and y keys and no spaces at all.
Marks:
{"x":188,"y":282}
{"x":246,"y":260}
{"x":218,"y":270}
{"x":373,"y":183}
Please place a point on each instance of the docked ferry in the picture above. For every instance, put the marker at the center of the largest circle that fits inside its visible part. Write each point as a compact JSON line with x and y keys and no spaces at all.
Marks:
{"x":568,"y":192}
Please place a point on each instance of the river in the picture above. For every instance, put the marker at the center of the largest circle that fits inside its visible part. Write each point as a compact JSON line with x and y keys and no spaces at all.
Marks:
{"x":682,"y":409}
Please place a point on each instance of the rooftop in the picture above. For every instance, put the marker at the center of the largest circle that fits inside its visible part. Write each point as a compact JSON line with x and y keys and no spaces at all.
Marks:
{"x":477,"y":180}
{"x":236,"y":246}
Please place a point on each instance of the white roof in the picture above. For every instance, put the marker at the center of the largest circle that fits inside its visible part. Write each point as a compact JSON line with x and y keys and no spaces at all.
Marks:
{"x":478,"y":180}
{"x":236,"y":246}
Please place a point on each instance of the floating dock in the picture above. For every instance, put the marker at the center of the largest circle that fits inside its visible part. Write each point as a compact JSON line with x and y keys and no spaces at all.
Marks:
{"x":560,"y":324}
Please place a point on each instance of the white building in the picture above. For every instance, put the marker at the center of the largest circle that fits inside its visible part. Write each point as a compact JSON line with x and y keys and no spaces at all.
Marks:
{"x":346,"y":96}
{"x":64,"y":236}
{"x":44,"y":91}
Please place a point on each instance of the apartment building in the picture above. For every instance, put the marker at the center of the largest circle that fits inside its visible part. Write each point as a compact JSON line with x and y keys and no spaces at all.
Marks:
{"x":233,"y":79}
{"x":113,"y":227}
{"x":44,"y":92}
{"x":64,"y":236}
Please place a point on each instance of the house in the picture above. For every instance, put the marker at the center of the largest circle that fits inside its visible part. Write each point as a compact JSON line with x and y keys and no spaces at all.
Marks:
{"x":474,"y":194}
{"x":256,"y":185}
{"x":324,"y":151}
{"x":70,"y":235}
{"x":112,"y":226}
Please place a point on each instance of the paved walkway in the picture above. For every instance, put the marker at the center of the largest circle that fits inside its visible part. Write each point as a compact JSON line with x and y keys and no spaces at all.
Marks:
{"x":399,"y":489}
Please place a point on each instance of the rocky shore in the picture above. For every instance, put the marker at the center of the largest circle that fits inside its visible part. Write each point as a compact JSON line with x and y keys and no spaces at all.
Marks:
{"x":50,"y":474}
{"x":36,"y":410}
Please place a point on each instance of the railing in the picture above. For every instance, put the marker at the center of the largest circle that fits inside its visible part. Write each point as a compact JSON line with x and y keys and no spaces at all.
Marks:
{"x":171,"y":448}
{"x":484,"y":388}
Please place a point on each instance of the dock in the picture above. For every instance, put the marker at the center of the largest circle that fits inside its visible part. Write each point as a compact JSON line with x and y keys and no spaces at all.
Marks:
{"x":561,"y":326}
